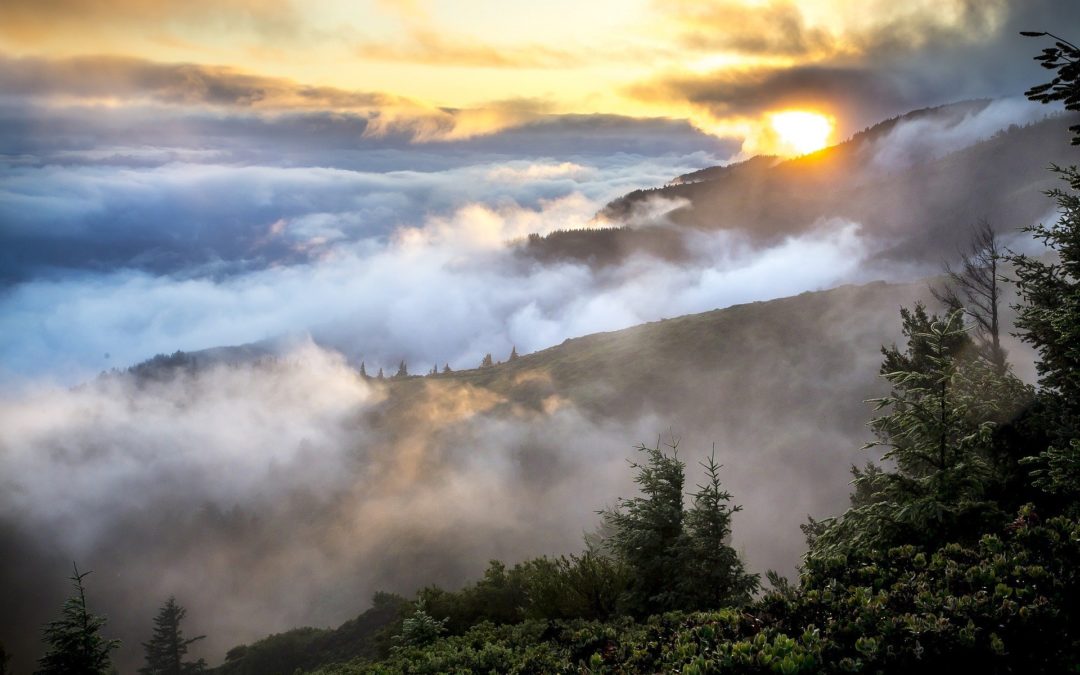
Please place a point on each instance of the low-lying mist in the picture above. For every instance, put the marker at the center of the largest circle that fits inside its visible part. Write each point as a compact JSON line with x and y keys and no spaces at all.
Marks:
{"x":271,"y":495}
{"x":283,"y":492}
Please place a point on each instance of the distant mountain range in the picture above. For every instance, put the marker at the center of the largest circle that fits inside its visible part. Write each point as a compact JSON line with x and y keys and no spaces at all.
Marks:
{"x":916,"y":197}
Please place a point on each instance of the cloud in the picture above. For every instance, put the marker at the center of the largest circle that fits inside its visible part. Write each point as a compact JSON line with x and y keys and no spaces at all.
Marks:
{"x":265,"y":498}
{"x":931,"y":136}
{"x":859,"y":65}
{"x":449,"y":290}
{"x":428,"y":46}
{"x":750,"y":93}
{"x":107,"y":77}
{"x":828,"y":28}
{"x":28,"y":22}
{"x":117,"y":80}
{"x":194,"y":191}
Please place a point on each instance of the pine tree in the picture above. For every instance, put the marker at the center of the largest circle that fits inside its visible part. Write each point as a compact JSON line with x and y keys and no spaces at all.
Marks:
{"x":647,"y":533}
{"x":403,"y":370}
{"x":363,"y":370}
{"x":1049,"y":320}
{"x":167,"y":648}
{"x":715,"y":576}
{"x":380,"y":376}
{"x":446,"y":368}
{"x":74,"y":644}
{"x":513,"y":353}
{"x":936,"y":426}
{"x":487,"y":362}
{"x":1063,"y":57}
{"x":421,"y":628}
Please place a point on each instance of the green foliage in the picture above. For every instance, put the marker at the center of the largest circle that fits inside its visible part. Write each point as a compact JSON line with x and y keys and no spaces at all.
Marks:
{"x":1064,"y":58}
{"x":937,"y":427}
{"x":420,"y":629}
{"x":588,"y":586}
{"x":585,"y":586}
{"x":74,"y":645}
{"x":1049,"y":320}
{"x":167,"y":647}
{"x":1005,"y":603}
{"x":367,"y":637}
{"x":714,"y":576}
{"x":647,"y":533}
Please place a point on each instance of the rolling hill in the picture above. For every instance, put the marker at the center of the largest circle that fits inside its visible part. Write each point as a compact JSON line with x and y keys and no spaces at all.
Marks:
{"x":915,"y":197}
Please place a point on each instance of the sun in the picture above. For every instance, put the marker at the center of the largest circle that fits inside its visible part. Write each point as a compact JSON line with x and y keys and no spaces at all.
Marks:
{"x":801,"y":132}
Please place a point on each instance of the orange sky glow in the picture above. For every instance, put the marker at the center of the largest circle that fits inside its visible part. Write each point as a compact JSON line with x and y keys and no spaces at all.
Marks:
{"x":456,"y":69}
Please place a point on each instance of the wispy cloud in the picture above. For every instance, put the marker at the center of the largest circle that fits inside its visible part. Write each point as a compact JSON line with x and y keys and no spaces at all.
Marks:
{"x":428,"y":46}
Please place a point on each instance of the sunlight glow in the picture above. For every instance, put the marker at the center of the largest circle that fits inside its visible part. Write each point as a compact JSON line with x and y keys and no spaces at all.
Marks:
{"x":801,"y":132}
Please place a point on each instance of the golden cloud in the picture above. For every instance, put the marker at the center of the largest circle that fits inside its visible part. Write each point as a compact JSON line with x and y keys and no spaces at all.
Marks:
{"x":29,"y":21}
{"x":125,"y":80}
{"x":429,"y":47}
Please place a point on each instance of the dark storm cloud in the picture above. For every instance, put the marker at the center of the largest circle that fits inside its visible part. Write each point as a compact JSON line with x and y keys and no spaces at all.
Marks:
{"x":740,"y":93}
{"x":901,"y":64}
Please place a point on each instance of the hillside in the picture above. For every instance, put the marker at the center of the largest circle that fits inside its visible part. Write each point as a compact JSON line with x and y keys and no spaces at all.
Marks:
{"x":915,"y":202}
{"x":777,"y":386}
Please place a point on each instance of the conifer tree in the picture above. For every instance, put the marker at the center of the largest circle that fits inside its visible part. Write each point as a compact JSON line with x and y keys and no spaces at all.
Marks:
{"x":446,"y":368}
{"x":74,"y":645}
{"x":403,"y":370}
{"x":487,"y":362}
{"x":167,"y":647}
{"x":513,"y":353}
{"x":1049,"y":318}
{"x":715,"y":576}
{"x":647,"y":532}
{"x":936,"y":427}
{"x":380,"y":376}
{"x":363,"y":370}
{"x":1064,"y":58}
{"x":421,"y":628}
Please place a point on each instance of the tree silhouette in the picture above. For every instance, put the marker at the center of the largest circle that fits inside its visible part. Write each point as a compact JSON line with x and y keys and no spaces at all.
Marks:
{"x":167,"y":648}
{"x":647,"y":532}
{"x":716,"y":576}
{"x":74,"y":645}
{"x":487,"y":362}
{"x":975,"y":289}
{"x":1063,"y":57}
{"x":446,"y":368}
{"x":513,"y":354}
{"x":363,"y":370}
